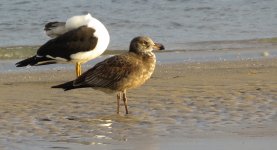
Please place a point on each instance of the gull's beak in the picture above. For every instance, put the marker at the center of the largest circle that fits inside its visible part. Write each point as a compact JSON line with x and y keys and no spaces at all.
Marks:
{"x":158,"y":46}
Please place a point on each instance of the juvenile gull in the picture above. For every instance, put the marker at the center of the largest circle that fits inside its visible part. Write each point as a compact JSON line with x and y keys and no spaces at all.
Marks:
{"x":85,"y":38}
{"x":121,"y":72}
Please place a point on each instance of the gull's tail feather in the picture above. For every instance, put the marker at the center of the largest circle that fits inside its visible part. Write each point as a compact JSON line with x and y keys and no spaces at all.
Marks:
{"x":35,"y":61}
{"x":65,"y":86}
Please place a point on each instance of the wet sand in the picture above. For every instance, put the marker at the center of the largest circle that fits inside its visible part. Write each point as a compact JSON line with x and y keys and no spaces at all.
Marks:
{"x":211,"y":105}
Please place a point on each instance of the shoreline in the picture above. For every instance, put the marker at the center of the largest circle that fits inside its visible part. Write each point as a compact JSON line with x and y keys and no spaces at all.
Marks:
{"x":265,"y":44}
{"x":166,"y":57}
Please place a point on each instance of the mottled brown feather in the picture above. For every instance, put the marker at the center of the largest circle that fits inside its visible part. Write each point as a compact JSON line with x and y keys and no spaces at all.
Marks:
{"x":119,"y":72}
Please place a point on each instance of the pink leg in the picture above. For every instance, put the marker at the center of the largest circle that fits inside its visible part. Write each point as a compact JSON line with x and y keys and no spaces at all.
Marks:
{"x":125,"y":102}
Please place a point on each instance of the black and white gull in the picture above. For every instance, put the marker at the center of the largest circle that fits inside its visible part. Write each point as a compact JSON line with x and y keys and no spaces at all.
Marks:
{"x":84,"y":39}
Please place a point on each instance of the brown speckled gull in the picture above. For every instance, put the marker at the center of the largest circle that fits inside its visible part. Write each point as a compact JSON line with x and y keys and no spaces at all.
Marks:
{"x":121,"y":72}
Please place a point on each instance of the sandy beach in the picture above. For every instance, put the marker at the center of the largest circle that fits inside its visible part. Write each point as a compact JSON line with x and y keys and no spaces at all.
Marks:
{"x":216,"y":105}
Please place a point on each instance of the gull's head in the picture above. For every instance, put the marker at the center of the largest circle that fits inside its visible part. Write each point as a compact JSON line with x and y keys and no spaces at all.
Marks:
{"x":143,"y":44}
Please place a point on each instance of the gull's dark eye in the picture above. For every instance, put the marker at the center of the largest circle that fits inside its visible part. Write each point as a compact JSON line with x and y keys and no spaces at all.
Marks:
{"x":145,"y":43}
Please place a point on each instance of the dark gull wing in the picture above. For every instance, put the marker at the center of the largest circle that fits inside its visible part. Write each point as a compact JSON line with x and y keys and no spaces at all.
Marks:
{"x":81,"y":39}
{"x":110,"y":72}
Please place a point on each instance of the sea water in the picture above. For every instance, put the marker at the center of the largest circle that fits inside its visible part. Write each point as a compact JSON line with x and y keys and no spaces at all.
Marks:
{"x":172,"y":22}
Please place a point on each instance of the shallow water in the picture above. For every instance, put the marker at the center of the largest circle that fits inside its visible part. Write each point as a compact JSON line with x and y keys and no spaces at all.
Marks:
{"x":165,"y":57}
{"x":172,"y":22}
{"x":89,"y":119}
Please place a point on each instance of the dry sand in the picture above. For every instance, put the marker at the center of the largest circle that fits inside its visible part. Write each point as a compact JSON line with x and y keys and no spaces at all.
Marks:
{"x":214,"y":104}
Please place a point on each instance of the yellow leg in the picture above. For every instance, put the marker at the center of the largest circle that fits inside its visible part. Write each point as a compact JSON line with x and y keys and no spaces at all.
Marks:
{"x":78,"y":69}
